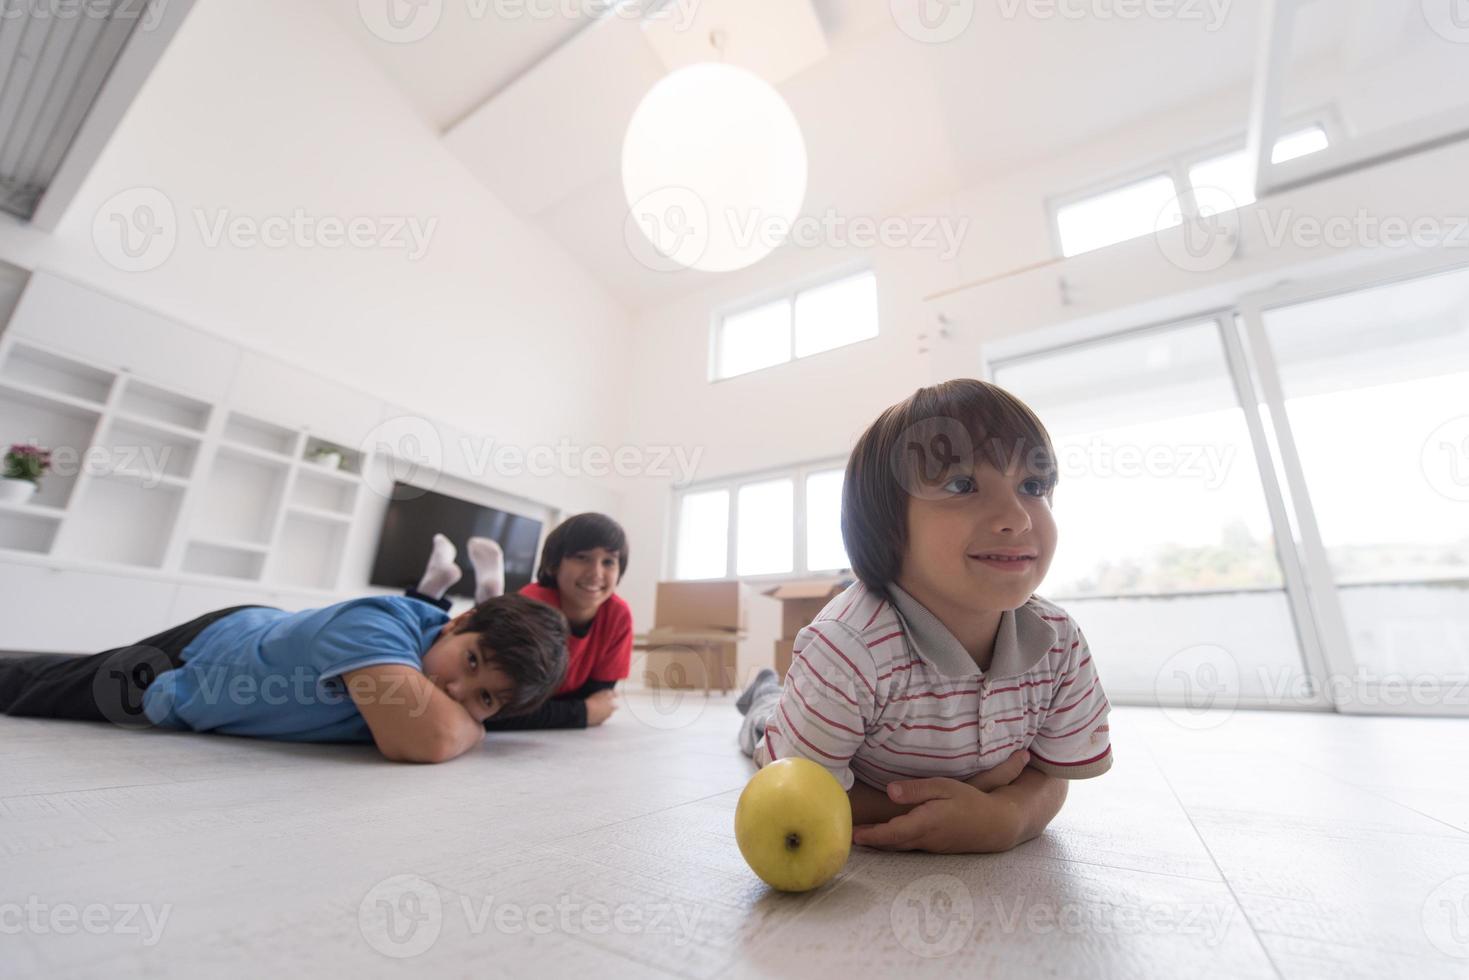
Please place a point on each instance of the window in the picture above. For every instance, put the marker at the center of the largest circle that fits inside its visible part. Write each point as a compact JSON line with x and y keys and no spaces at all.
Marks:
{"x":824,"y":548}
{"x":781,"y":524}
{"x":1229,"y":172}
{"x":1115,"y":216}
{"x":755,"y":339}
{"x":703,"y":537}
{"x":835,"y":315}
{"x":1141,"y":207}
{"x":766,"y":529}
{"x":807,"y":322}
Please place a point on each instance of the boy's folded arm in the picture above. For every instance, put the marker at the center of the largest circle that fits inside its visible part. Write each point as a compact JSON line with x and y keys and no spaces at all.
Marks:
{"x":1036,"y":798}
{"x":411,"y":720}
{"x":871,"y":805}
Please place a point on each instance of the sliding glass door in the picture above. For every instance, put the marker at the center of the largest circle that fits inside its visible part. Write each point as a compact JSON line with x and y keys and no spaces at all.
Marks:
{"x":1167,"y":552}
{"x":1374,"y":390}
{"x":1270,"y":505}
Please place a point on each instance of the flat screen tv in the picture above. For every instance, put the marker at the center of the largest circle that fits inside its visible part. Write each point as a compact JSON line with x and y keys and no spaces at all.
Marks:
{"x":415,"y":515}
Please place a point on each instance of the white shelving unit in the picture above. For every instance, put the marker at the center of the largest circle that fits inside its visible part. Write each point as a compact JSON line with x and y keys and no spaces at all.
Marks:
{"x":152,"y":479}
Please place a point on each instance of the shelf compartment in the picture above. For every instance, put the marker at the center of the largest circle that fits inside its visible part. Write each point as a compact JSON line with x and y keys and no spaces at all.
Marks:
{"x":122,"y":522}
{"x":308,"y":553}
{"x":252,"y":433}
{"x":325,"y":490}
{"x":60,"y":426}
{"x":42,"y":370}
{"x":148,"y":449}
{"x":150,"y":403}
{"x":240,"y":499}
{"x":20,"y":531}
{"x":223,"y":560}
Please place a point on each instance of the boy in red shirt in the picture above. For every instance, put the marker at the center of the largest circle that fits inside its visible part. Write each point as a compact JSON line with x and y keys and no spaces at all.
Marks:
{"x":581,"y":565}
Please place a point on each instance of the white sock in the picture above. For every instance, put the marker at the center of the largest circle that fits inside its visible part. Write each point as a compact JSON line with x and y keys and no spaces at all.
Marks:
{"x":489,"y":569}
{"x":441,"y":572}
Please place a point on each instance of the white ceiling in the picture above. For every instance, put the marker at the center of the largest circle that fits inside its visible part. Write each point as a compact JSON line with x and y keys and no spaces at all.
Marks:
{"x":889,"y":121}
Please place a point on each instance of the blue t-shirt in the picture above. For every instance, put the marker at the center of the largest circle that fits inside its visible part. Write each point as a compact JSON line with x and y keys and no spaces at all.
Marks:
{"x":267,"y":673}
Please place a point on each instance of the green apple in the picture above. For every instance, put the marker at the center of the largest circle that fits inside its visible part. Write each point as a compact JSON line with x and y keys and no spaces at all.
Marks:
{"x":794,"y":825}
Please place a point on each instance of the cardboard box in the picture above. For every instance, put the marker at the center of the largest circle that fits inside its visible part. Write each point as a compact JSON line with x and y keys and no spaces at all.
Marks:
{"x":785,"y":652}
{"x":686,"y":668}
{"x":801,"y":602}
{"x":703,"y":605}
{"x":751,"y":619}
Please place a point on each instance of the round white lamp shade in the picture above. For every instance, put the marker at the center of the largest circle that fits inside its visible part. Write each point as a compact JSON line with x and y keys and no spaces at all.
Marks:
{"x":714,"y":168}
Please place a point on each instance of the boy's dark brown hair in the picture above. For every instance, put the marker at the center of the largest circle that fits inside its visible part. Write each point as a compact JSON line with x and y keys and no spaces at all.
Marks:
{"x":527,"y":640}
{"x":917,"y":446}
{"x":581,"y":533}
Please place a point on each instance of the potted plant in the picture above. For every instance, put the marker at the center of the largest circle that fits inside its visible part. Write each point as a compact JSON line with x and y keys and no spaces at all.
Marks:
{"x":24,"y":466}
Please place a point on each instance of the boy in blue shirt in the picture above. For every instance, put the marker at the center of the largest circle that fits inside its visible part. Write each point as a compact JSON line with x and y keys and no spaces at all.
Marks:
{"x":391,"y":670}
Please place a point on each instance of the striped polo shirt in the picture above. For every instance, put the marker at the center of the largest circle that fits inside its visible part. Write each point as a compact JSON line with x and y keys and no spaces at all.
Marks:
{"x":880,"y":690}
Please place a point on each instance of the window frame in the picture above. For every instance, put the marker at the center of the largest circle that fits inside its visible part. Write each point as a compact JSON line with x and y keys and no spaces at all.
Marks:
{"x":731,"y":484}
{"x":1177,"y":166}
{"x":788,"y":292}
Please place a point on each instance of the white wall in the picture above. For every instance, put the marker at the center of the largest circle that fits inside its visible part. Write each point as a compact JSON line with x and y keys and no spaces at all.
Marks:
{"x":816,"y":408}
{"x":267,"y":107}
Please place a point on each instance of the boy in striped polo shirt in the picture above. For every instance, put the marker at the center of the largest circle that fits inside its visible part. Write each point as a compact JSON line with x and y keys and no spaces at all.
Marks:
{"x":950,"y":701}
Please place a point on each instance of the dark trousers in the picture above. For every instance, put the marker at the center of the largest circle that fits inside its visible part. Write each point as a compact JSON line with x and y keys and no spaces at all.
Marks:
{"x":442,"y":602}
{"x":105,"y":686}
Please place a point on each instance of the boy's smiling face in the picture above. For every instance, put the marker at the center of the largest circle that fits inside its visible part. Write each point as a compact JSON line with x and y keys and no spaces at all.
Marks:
{"x":981,"y":541}
{"x":586,"y":579}
{"x":457,"y":667}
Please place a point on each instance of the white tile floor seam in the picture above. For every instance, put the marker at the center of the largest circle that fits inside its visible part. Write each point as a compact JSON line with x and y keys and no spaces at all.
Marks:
{"x":1257,"y":847}
{"x":1244,"y":913}
{"x":1452,"y":827}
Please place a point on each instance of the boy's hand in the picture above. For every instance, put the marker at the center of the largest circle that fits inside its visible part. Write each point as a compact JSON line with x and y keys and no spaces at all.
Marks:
{"x":600,"y":707}
{"x":950,"y":817}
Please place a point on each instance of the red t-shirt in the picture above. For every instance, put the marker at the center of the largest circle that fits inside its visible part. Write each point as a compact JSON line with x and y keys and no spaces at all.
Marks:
{"x":605,"y":653}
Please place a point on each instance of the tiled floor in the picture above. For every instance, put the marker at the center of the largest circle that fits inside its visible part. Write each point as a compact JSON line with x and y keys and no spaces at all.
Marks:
{"x":1261,"y":845}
